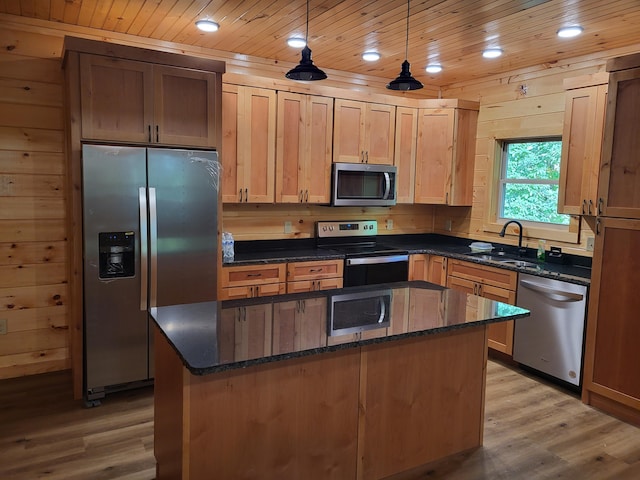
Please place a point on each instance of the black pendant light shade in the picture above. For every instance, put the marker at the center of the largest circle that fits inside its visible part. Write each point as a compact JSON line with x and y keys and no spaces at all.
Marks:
{"x":306,"y":70}
{"x":405,"y":81}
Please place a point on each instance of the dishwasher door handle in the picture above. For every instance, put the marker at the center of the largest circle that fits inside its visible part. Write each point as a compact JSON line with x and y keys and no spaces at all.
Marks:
{"x":566,"y":296}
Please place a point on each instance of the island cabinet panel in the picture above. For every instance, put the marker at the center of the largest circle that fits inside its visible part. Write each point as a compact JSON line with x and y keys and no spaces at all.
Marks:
{"x":303,"y":148}
{"x":248,"y":144}
{"x":430,"y":268}
{"x":248,"y":330}
{"x":489,"y":282}
{"x":140,"y":102}
{"x":612,"y":362}
{"x":404,"y":425}
{"x":445,"y":156}
{"x":619,"y":186}
{"x":363,"y":132}
{"x":582,"y":137}
{"x":279,"y":407}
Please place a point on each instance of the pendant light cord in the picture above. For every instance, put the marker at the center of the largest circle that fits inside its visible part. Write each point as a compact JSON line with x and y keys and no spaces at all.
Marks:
{"x":306,"y":37}
{"x":406,"y":49}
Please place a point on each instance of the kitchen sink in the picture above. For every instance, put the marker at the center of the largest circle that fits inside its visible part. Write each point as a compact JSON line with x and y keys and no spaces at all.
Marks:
{"x":504,"y":260}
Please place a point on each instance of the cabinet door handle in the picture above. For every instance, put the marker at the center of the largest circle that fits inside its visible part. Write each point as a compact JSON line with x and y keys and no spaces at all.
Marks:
{"x":600,"y":204}
{"x":301,"y":196}
{"x":149,"y":132}
{"x":157,"y":133}
{"x":306,"y":196}
{"x":446,"y":198}
{"x":304,"y":306}
{"x":590,"y":205}
{"x":480,"y":289}
{"x":584,"y":206}
{"x":246,"y":195}
{"x":367,"y":155}
{"x":597,"y":226}
{"x":362,"y":156}
{"x":257,"y":291}
{"x":240,"y":195}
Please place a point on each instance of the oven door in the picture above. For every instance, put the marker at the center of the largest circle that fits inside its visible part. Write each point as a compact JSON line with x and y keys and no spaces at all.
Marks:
{"x":374,"y":270}
{"x":357,"y":312}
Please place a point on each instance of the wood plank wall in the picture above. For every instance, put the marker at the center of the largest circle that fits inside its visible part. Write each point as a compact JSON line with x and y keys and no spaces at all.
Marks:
{"x":505,"y":112}
{"x":33,"y":278}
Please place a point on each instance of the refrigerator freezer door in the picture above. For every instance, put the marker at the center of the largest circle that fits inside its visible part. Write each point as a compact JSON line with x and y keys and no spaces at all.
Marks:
{"x":115,"y":327}
{"x":183,"y":193}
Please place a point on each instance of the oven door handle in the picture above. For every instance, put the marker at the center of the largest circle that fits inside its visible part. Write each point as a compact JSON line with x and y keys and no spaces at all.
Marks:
{"x":375,"y":260}
{"x":387,"y":185}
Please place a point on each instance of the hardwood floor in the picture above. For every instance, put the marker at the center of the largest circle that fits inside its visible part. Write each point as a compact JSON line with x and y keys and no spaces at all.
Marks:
{"x":532,"y":431}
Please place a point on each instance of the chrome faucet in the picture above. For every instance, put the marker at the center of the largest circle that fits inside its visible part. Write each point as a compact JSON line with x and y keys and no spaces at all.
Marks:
{"x":521,"y":251}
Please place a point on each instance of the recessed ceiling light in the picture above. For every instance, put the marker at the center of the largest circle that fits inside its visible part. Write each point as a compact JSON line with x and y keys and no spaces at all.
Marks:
{"x":491,"y":52}
{"x":207,"y":25}
{"x":571,"y":31}
{"x":434,"y":68}
{"x":370,"y":56}
{"x":296,"y":42}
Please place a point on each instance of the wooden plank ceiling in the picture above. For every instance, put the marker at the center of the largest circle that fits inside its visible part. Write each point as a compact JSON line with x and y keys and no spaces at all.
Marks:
{"x":450,"y":32}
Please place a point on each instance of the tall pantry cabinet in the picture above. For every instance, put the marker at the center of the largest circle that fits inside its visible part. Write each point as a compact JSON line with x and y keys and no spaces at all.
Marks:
{"x":612,"y":357}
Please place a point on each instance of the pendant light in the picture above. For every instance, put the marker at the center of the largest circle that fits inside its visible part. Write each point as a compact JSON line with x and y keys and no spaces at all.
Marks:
{"x":405,"y":81}
{"x":306,"y":70}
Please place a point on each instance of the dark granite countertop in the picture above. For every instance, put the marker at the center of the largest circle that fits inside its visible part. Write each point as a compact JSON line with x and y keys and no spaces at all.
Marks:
{"x":577,"y":271}
{"x":216,"y":336}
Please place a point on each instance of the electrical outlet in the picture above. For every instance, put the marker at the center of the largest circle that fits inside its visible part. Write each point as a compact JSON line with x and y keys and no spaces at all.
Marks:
{"x":287,"y":227}
{"x":447,"y":224}
{"x":3,"y":326}
{"x":389,"y":224}
{"x":590,"y":243}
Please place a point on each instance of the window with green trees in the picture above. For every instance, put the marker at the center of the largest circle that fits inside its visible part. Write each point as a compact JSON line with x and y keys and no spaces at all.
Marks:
{"x":529,"y":180}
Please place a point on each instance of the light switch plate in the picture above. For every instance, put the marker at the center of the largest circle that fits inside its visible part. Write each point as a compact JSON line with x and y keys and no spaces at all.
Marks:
{"x":3,"y":326}
{"x":287,"y":227}
{"x":590,"y":243}
{"x":389,"y":224}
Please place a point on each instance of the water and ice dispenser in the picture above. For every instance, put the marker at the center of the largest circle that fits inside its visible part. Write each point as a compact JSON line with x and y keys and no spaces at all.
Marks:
{"x":117,"y":254}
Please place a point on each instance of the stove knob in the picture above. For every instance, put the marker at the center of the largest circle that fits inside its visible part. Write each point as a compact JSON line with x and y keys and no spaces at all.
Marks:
{"x":324,"y":229}
{"x":331,"y":228}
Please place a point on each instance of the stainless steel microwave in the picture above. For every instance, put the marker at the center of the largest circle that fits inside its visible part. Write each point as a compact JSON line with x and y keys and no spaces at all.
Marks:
{"x":363,"y":185}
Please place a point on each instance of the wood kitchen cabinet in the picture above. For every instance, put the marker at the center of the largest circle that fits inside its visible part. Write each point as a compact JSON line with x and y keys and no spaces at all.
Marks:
{"x":582,"y":136}
{"x":612,"y":359}
{"x":248,"y":144}
{"x":363,"y":132}
{"x":445,"y":156}
{"x":245,"y":281}
{"x":405,"y":153}
{"x":314,"y":275}
{"x":245,"y":332}
{"x":619,"y":182}
{"x":303,"y":148}
{"x":430,"y":268}
{"x":132,"y":101}
{"x":489,"y":282}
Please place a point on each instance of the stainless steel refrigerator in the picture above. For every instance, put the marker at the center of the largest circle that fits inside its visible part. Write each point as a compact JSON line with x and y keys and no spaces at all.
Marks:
{"x":150,"y":239}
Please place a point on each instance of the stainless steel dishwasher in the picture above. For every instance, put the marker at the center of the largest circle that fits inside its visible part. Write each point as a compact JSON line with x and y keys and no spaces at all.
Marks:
{"x":551,"y":340}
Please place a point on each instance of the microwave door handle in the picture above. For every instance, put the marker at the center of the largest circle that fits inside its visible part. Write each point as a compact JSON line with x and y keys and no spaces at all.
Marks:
{"x":383,"y":310}
{"x":387,"y":185}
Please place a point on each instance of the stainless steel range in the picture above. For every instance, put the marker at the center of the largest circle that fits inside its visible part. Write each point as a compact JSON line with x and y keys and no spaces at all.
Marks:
{"x":367,"y":261}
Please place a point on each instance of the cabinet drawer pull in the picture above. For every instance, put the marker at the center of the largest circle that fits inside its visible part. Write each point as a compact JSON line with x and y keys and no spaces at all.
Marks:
{"x":254,"y":274}
{"x":313,"y":270}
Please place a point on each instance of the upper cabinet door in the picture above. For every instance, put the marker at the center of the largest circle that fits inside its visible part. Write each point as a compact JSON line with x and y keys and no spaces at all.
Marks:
{"x":138,"y":102}
{"x":348,"y":138}
{"x":303,"y":148}
{"x":116,"y":99}
{"x":248,"y":144}
{"x":445,"y":156}
{"x":581,"y":148}
{"x":363,"y":132}
{"x":185,"y":106}
{"x":619,"y":184}
{"x":380,"y":123}
{"x":405,"y":153}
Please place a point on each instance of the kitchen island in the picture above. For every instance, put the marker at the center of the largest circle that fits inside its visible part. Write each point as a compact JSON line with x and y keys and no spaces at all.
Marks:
{"x":355,"y":383}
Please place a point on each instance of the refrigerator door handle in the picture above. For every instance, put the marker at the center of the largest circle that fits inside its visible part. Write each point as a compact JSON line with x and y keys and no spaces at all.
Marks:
{"x":142,"y":203}
{"x":153,"y":247}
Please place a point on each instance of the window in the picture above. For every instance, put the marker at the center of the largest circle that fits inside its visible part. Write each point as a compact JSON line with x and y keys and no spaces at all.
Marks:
{"x":529,"y":181}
